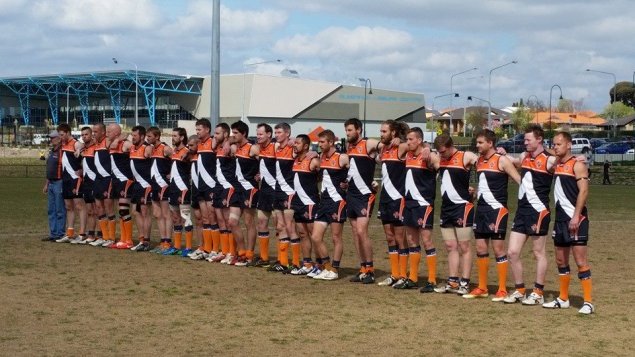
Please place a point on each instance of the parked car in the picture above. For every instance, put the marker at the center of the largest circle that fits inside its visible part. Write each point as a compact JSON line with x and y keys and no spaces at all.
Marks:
{"x":620,"y":147}
{"x":580,"y":146}
{"x":513,"y":145}
{"x":597,"y":142}
{"x":630,"y":152}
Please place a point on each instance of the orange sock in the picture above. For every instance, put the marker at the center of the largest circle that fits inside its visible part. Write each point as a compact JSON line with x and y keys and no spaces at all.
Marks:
{"x":284,"y":253}
{"x":295,"y":252}
{"x":414,"y":258}
{"x":176,"y":239}
{"x":565,"y":279}
{"x":249,"y":254}
{"x":70,"y":232}
{"x":215,"y":240}
{"x":241,"y":253}
{"x":263,"y":244}
{"x":522,"y":290}
{"x":328,"y":266}
{"x":483,"y":264}
{"x":431,"y":261}
{"x":122,"y":231}
{"x":403,"y":264}
{"x":224,"y":242}
{"x":232,"y":244}
{"x":393,"y":256}
{"x":584,"y":273}
{"x":128,"y":228}
{"x":188,"y":239}
{"x":112,"y":228}
{"x":207,"y":240}
{"x":103,"y":224}
{"x":501,"y":268}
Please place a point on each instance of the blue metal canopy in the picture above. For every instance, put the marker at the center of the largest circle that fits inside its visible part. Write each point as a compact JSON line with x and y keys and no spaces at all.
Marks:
{"x":110,"y":84}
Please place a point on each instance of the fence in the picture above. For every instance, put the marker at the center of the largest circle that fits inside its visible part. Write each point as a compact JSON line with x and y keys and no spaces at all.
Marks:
{"x":23,"y":171}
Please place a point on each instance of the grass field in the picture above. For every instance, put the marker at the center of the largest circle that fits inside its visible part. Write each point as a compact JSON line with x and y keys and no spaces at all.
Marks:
{"x":64,"y":300}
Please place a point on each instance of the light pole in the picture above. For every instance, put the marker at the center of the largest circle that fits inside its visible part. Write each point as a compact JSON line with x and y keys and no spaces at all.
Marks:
{"x":471,"y":97}
{"x":136,"y":90}
{"x":68,"y":101}
{"x":613,"y":119}
{"x":452,"y":91}
{"x":367,"y":84}
{"x":550,"y":93}
{"x":242,"y":113}
{"x":451,"y":95}
{"x":489,"y":92}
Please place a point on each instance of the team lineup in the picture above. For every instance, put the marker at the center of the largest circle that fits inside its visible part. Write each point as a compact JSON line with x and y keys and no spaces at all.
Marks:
{"x":207,"y":186}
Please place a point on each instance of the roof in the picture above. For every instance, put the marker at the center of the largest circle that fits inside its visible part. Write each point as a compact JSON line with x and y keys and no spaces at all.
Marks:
{"x":568,"y":118}
{"x":458,"y":113}
{"x":625,"y":120}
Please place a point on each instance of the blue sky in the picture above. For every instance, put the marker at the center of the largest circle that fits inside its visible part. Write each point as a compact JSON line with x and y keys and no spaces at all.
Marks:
{"x":410,"y":45}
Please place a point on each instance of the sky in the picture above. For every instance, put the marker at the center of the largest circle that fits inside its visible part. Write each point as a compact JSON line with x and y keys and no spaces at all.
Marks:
{"x":405,"y":45}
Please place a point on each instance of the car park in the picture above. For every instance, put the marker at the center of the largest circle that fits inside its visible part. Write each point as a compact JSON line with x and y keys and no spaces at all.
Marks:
{"x":620,"y":147}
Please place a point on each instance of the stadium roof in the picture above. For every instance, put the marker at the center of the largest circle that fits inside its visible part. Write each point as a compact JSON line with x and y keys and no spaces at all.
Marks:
{"x":111,"y":84}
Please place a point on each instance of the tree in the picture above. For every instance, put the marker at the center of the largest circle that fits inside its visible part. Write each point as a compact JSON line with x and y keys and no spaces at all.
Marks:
{"x":565,"y":106}
{"x":536,"y":105}
{"x":521,"y":118}
{"x":617,"y":110}
{"x":625,"y":93}
{"x":476,"y":119}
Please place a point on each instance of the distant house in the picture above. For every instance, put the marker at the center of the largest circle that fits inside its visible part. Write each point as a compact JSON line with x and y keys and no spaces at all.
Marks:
{"x":458,"y":115}
{"x":625,"y":123}
{"x":585,"y":120}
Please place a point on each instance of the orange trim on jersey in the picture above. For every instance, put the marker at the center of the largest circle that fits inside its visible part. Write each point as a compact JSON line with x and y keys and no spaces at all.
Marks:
{"x":371,"y":200}
{"x":70,"y":145}
{"x":138,"y":152}
{"x":566,"y":168}
{"x":544,"y":213}
{"x":183,"y":194}
{"x":502,"y":212}
{"x":244,"y":151}
{"x":303,"y":165}
{"x":490,"y":164}
{"x":416,"y":161}
{"x":402,"y":207}
{"x":101,"y":145}
{"x":59,"y":163}
{"x":538,"y":164}
{"x":310,"y":211}
{"x":118,"y":149}
{"x":205,"y":146}
{"x":284,"y":153}
{"x":340,"y":209}
{"x":427,"y":214}
{"x":158,"y":151}
{"x":77,"y":186}
{"x":230,"y":193}
{"x":127,"y":186}
{"x":331,"y":162}
{"x":358,"y":149}
{"x":177,"y":155}
{"x":455,"y":161}
{"x":390,"y":153}
{"x":289,"y":199}
{"x":146,"y":194}
{"x":252,"y":193}
{"x":468,"y":207}
{"x":268,"y":151}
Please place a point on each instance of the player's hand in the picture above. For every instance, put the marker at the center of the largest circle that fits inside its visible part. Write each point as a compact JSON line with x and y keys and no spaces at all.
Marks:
{"x":581,"y":158}
{"x":344,"y":185}
{"x":426,"y":153}
{"x":257,"y":177}
{"x":311,"y":155}
{"x":501,"y":151}
{"x":395,"y":142}
{"x":574,"y":225}
{"x":472,"y":191}
{"x":374,"y":186}
{"x":45,"y":190}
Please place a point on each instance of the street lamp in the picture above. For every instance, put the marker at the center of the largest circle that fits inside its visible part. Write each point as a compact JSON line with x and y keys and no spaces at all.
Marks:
{"x":550,"y":93}
{"x":489,"y":92}
{"x":367,"y":84}
{"x":536,"y":106}
{"x":452,"y":91}
{"x":136,"y":90}
{"x":245,"y":65}
{"x":451,"y":95}
{"x":471,"y":97}
{"x":68,"y":100}
{"x":614,"y":96}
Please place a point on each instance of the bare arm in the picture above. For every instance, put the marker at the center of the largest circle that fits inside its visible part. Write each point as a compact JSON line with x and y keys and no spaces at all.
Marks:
{"x":508,"y":167}
{"x":372,"y":146}
{"x":254,"y":152}
{"x":314,"y":165}
{"x":469,"y":159}
{"x":344,"y":161}
{"x":148,"y":151}
{"x":581,"y":175}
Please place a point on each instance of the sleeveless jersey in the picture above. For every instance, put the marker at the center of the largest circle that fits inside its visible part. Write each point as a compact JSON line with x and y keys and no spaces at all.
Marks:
{"x":206,"y":165}
{"x":160,"y":165}
{"x":305,"y":181}
{"x":332,"y":176}
{"x":393,"y":171}
{"x":70,"y":163}
{"x":102,"y":159}
{"x":120,"y":162}
{"x":180,"y":171}
{"x":284,"y":169}
{"x":535,"y":184}
{"x":88,"y":162}
{"x":420,"y":181}
{"x":194,"y":170}
{"x":225,"y":168}
{"x":246,"y":168}
{"x":492,"y":183}
{"x":361,"y":169}
{"x":455,"y":182}
{"x":566,"y":191}
{"x":268,"y":167}
{"x":140,"y":166}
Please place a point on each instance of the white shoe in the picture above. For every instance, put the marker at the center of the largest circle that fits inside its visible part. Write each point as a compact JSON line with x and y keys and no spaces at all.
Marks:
{"x":304,"y":270}
{"x":136,"y":247}
{"x":228,"y":258}
{"x":587,"y":309}
{"x":534,"y":299}
{"x":463,"y":289}
{"x":77,"y":240}
{"x":64,"y":239}
{"x":389,"y":281}
{"x":514,"y":297}
{"x":88,"y":240}
{"x":196,"y":252}
{"x":108,"y":243}
{"x":556,"y":304}
{"x":98,"y":242}
{"x":327,"y":275}
{"x":314,"y":272}
{"x":447,"y":288}
{"x":210,"y":257}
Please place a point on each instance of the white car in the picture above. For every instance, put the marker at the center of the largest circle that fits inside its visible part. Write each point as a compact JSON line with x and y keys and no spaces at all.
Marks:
{"x":580,"y":146}
{"x":630,"y":151}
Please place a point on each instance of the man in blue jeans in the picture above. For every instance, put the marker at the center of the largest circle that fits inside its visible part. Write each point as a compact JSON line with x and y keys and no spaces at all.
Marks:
{"x":53,"y":188}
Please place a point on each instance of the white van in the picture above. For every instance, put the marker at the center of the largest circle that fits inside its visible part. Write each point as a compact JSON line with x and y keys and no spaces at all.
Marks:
{"x":580,"y":146}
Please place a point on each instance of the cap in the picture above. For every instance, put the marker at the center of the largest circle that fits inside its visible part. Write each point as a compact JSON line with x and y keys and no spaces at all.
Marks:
{"x":54,"y":134}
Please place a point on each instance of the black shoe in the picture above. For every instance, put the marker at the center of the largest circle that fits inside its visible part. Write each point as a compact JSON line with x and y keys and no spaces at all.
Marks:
{"x":357,"y":278}
{"x":262,"y":263}
{"x":277,"y":268}
{"x":428,"y":288}
{"x":289,"y":269}
{"x":48,"y":239}
{"x":368,"y":278}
